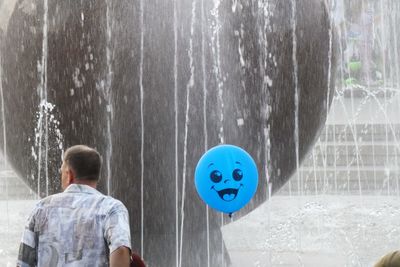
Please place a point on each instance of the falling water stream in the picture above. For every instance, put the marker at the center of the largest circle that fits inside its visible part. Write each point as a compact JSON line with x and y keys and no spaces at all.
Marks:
{"x":296,"y":92}
{"x":43,"y":107}
{"x":178,"y":255}
{"x":217,"y":71}
{"x":108,"y":95}
{"x":189,"y":87}
{"x":296,"y":112}
{"x":205,"y":132}
{"x":4,"y":146}
{"x":216,"y":52}
{"x":142,"y":27}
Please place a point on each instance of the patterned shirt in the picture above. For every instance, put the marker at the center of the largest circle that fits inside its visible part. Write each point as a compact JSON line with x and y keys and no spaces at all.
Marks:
{"x":79,"y":227}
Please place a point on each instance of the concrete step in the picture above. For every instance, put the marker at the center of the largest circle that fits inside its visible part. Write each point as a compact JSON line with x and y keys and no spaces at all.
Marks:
{"x":369,"y":182}
{"x":13,"y":188}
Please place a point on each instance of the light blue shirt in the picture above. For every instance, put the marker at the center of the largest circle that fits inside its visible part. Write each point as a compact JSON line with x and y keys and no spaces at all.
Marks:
{"x":79,"y":227}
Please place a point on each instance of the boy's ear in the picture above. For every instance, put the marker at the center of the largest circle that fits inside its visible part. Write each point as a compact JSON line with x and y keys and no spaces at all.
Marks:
{"x":71,"y":176}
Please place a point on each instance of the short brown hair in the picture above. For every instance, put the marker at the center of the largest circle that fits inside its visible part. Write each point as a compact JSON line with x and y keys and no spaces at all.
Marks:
{"x":84,"y":161}
{"x":391,"y":259}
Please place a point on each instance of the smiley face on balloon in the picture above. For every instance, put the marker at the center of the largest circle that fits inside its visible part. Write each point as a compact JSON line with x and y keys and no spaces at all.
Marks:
{"x":226,"y":178}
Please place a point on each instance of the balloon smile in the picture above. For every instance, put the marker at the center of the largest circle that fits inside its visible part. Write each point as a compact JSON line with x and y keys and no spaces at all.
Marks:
{"x":228,"y":194}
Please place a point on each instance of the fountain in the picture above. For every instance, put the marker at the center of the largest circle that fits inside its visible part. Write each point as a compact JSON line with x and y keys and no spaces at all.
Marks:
{"x":154,"y":84}
{"x":358,"y":149}
{"x":341,"y":207}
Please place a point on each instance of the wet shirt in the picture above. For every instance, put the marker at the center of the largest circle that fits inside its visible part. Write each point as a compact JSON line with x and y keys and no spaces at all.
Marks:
{"x":79,"y":227}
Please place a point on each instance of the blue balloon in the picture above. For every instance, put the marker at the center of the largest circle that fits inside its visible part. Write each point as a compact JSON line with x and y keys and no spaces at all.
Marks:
{"x":226,"y":178}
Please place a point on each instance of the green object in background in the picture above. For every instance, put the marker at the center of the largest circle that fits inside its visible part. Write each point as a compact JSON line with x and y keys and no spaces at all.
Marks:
{"x":350,"y":81}
{"x":354,"y":65}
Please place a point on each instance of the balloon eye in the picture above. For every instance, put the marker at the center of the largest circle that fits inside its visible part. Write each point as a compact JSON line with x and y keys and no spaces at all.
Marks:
{"x":237,"y":174}
{"x":216,"y":176}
